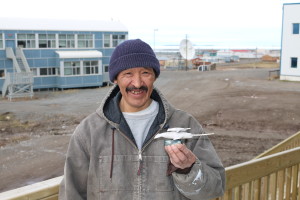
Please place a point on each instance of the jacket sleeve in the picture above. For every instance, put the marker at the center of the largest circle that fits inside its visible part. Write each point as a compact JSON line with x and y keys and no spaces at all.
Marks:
{"x":74,"y":183}
{"x":206,"y":179}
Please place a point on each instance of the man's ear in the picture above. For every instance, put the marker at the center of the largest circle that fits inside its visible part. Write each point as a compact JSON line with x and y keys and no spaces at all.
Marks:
{"x":115,"y":81}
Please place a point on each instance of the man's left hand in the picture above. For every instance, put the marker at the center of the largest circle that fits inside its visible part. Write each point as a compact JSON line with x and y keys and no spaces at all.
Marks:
{"x":180,"y":156}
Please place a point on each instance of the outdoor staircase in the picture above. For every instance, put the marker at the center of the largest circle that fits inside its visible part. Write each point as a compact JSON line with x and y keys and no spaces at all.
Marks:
{"x":21,"y":64}
{"x":20,"y":82}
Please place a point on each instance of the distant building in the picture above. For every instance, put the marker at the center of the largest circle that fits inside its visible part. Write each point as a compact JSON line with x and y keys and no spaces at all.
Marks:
{"x":268,"y":58}
{"x":56,"y":53}
{"x":290,"y":42}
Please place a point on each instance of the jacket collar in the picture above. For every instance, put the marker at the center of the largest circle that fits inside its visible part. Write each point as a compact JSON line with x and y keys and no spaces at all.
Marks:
{"x":110,"y":110}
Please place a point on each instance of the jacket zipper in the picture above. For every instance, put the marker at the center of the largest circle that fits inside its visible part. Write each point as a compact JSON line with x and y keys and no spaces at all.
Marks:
{"x":140,"y":163}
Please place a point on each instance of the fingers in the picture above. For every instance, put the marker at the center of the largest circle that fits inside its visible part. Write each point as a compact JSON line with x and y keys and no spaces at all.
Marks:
{"x":180,"y":155}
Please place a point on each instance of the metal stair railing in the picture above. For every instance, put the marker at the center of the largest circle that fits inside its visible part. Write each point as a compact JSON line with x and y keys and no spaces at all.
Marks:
{"x":21,"y":65}
{"x":10,"y":54}
{"x":6,"y":83}
{"x":18,"y":84}
{"x":22,"y":59}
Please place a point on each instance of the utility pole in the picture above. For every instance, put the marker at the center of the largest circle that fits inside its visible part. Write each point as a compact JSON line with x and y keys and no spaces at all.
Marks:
{"x":154,"y":38}
{"x":186,"y":53}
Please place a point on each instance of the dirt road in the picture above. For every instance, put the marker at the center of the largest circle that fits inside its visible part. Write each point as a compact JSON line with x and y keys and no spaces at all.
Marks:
{"x":247,"y":112}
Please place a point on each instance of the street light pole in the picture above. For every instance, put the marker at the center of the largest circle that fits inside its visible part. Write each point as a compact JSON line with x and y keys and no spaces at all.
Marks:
{"x":154,"y":39}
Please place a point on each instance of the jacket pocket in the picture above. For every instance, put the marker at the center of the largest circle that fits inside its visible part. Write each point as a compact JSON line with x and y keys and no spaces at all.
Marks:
{"x":155,"y":171}
{"x":123,"y":176}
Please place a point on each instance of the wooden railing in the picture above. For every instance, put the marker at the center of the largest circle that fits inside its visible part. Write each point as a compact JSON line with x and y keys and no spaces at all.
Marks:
{"x":274,"y":174}
{"x":267,"y":177}
{"x":45,"y":190}
{"x":289,"y":143}
{"x":274,"y":177}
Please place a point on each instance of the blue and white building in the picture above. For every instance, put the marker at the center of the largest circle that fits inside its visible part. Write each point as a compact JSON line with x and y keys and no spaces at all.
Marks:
{"x":40,"y":53}
{"x":290,"y":43}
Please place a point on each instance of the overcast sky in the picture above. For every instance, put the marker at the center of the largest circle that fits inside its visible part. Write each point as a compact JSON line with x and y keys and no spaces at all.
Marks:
{"x":210,"y":23}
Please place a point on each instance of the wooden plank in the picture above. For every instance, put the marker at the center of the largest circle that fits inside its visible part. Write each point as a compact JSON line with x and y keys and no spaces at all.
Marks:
{"x":272,"y":185}
{"x":288,"y":183}
{"x":280,"y":184}
{"x":294,"y":181}
{"x":237,"y":193}
{"x":256,"y":189}
{"x":254,"y":169}
{"x":39,"y":190}
{"x":298,"y":197}
{"x":246,"y":193}
{"x":226,"y":195}
{"x":264,"y":188}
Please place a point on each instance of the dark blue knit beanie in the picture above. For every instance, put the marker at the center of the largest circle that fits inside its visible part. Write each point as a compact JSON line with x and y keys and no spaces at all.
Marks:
{"x":131,"y":54}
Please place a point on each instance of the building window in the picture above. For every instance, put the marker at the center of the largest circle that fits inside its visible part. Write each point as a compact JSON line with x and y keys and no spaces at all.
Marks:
{"x":1,"y":41}
{"x":49,"y":71}
{"x":26,"y":40}
{"x":106,"y":41}
{"x":66,"y":41}
{"x":105,"y":68}
{"x":85,"y":40}
{"x":34,"y":71}
{"x":296,"y":28}
{"x":113,"y":40}
{"x":72,"y":68}
{"x":118,"y":39}
{"x":47,"y":41}
{"x":294,"y":62}
{"x":2,"y":73}
{"x":90,"y":67}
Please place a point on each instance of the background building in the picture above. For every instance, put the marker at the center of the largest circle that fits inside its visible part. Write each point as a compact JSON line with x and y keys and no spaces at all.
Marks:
{"x":290,"y":47}
{"x":40,"y":53}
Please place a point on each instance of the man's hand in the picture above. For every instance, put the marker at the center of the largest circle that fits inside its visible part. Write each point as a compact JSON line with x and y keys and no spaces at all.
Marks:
{"x":180,"y":156}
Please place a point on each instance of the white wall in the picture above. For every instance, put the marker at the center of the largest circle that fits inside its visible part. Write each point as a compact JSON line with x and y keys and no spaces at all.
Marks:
{"x":290,"y":42}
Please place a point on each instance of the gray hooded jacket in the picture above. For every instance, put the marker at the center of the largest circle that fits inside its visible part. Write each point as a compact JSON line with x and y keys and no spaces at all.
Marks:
{"x":103,"y":161}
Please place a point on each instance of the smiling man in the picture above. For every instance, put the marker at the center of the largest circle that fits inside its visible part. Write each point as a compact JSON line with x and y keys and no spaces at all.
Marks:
{"x":113,"y":155}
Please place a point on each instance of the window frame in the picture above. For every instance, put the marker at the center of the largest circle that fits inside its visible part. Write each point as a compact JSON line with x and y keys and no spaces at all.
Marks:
{"x":93,"y":68}
{"x":113,"y":40}
{"x":50,"y":71}
{"x":4,"y":73}
{"x":2,"y":44}
{"x":34,"y":71}
{"x":74,"y":69}
{"x":294,"y":62}
{"x":29,"y":43}
{"x":50,"y":42}
{"x":70,"y":43}
{"x":87,"y":41}
{"x":105,"y":68}
{"x":296,"y":29}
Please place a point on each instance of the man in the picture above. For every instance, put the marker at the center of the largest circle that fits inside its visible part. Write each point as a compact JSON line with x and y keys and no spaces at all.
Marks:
{"x":113,"y":154}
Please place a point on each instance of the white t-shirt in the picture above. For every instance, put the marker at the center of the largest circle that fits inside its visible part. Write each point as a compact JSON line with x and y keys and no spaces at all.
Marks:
{"x":140,"y":122}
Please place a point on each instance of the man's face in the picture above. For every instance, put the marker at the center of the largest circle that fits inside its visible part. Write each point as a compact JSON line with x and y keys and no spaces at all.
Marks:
{"x":136,"y":86}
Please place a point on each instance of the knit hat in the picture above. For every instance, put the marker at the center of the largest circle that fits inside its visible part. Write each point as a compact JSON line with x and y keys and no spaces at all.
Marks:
{"x":131,"y":54}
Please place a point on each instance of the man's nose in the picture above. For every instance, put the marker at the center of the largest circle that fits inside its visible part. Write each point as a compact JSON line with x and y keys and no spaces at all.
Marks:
{"x":137,"y":81}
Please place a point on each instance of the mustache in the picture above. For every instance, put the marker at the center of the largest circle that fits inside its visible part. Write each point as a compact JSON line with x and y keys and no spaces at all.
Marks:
{"x":145,"y":88}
